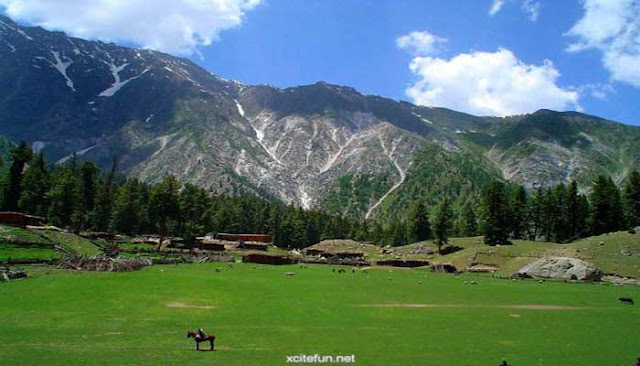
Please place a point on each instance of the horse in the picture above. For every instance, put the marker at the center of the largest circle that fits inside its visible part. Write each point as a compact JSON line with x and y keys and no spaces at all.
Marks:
{"x":208,"y":338}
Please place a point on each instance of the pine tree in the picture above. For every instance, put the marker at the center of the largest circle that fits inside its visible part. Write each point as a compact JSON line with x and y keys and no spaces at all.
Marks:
{"x":496,"y":212}
{"x":362,"y":232}
{"x":420,"y":229}
{"x":442,"y":223}
{"x":164,"y":205}
{"x":20,"y":156}
{"x":632,"y":199}
{"x":536,"y":214}
{"x":519,"y":214}
{"x":125,"y":216}
{"x":299,"y":229}
{"x":561,"y":231}
{"x":578,"y":211}
{"x":377,"y":233}
{"x":35,"y":185}
{"x":194,"y":203}
{"x":275,"y":221}
{"x":64,"y":197}
{"x":87,"y":184}
{"x":399,"y":234}
{"x":104,"y":200}
{"x":607,"y":214}
{"x":287,"y":231}
{"x":469,"y":225}
{"x":549,"y":215}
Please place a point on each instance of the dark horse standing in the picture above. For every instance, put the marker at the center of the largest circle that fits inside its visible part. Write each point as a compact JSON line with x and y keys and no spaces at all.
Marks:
{"x":207,"y":338}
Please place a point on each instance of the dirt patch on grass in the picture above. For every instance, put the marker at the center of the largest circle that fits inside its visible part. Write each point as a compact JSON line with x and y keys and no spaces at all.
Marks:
{"x":519,"y":307}
{"x":543,"y":307}
{"x":410,"y":306}
{"x":181,"y":305}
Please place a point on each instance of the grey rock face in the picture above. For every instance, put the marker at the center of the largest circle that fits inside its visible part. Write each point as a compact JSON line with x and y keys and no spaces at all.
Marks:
{"x":560,"y":268}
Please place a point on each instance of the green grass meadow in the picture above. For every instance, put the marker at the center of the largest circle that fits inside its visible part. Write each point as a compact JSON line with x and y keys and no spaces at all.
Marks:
{"x":21,"y":252}
{"x":260,"y":316}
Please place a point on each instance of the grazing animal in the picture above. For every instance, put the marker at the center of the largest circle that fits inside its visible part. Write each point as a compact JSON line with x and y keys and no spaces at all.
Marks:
{"x":504,"y":363}
{"x":637,"y":362}
{"x":626,"y":300}
{"x":341,"y":270}
{"x":207,"y":338}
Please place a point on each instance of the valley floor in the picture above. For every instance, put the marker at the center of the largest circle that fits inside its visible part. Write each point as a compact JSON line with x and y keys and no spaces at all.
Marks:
{"x":260,"y":315}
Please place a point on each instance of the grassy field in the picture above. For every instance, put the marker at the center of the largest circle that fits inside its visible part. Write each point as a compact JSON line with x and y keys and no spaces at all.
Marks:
{"x":10,"y":234}
{"x":73,"y":243}
{"x":260,"y":315}
{"x":510,"y":258}
{"x":21,"y":252}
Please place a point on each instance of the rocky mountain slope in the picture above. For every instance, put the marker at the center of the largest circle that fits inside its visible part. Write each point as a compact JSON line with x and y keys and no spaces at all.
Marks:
{"x":318,"y":145}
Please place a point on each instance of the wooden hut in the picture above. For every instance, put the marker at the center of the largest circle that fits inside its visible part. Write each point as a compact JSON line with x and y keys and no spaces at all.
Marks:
{"x":259,"y":238}
{"x":408,"y":263}
{"x":20,"y":219}
{"x":205,"y":243}
{"x":268,"y":259}
{"x":253,"y":245}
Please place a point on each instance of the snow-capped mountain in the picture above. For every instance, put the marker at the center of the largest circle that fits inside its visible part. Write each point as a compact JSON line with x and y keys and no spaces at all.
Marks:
{"x":317,"y":145}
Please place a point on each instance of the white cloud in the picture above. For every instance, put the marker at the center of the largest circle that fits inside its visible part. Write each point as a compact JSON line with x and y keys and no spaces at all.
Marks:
{"x":489,"y":83}
{"x":612,"y":27}
{"x":529,"y":7}
{"x":174,"y":26}
{"x":598,"y":91}
{"x":496,"y":6}
{"x":420,"y":43}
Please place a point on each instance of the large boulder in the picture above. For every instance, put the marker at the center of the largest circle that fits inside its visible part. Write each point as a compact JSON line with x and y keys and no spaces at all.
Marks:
{"x":561,"y":268}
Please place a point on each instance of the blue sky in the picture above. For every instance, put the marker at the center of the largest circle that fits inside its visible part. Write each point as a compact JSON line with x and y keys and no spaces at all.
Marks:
{"x":538,"y":60}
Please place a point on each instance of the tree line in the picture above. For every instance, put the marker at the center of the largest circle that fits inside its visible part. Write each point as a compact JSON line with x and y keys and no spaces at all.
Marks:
{"x":82,"y":197}
{"x":558,"y":214}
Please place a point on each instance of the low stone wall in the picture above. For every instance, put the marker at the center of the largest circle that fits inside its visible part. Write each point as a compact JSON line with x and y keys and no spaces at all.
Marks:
{"x":104,"y":264}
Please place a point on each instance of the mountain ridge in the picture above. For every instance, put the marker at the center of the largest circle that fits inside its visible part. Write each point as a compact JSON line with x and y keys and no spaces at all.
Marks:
{"x":161,"y":115}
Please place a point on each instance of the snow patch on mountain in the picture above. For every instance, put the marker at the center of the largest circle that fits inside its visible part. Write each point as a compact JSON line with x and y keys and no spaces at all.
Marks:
{"x":77,"y":153}
{"x":403,"y":176}
{"x":240,"y":109}
{"x":17,"y":30}
{"x":164,"y":141}
{"x":37,"y":146}
{"x":259,"y":125}
{"x":422,"y":118}
{"x":119,"y":84}
{"x":62,"y":66}
{"x":305,"y":199}
{"x":333,"y":158}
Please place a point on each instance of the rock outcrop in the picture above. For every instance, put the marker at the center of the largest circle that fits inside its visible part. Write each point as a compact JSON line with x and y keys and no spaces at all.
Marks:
{"x":560,"y":268}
